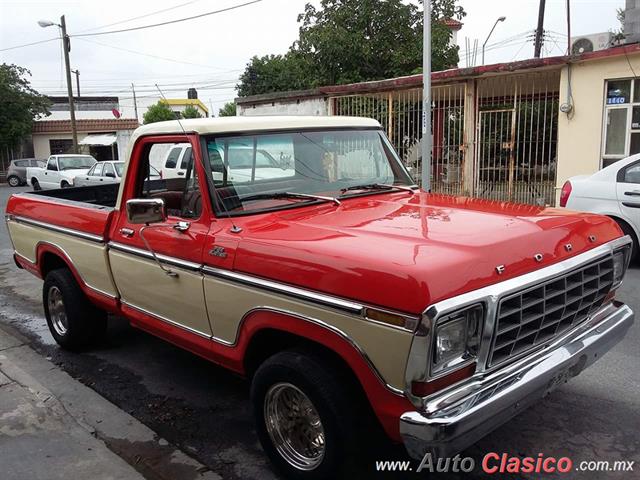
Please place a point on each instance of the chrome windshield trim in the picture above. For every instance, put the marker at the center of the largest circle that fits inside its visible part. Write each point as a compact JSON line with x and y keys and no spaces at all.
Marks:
{"x":56,"y":228}
{"x":285,"y":289}
{"x":139,"y":252}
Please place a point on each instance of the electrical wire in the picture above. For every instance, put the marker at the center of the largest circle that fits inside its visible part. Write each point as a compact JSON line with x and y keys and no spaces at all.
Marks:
{"x":139,"y":17}
{"x":169,"y":22}
{"x":29,"y":44}
{"x":158,"y":57}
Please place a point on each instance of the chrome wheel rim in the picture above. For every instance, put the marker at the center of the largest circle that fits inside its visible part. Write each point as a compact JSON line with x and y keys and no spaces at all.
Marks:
{"x":14,"y":182}
{"x":294,"y":426}
{"x":57,"y":312}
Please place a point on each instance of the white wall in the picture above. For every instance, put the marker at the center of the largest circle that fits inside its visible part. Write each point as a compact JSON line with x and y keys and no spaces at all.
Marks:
{"x":307,"y":106}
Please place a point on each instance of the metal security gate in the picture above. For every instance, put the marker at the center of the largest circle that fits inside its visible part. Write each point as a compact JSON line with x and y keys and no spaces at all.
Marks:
{"x":493,"y":138}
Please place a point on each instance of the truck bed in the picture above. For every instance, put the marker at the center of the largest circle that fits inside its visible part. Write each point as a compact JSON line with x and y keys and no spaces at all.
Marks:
{"x":83,"y":209}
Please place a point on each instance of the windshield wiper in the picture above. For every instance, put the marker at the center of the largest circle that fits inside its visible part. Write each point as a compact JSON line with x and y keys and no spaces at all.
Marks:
{"x":278,"y":195}
{"x":380,"y":186}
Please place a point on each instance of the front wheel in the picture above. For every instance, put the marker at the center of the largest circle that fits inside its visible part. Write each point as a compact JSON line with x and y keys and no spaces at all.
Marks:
{"x":74,"y":322}
{"x":304,"y":416}
{"x":13,"y":181}
{"x":64,"y":184}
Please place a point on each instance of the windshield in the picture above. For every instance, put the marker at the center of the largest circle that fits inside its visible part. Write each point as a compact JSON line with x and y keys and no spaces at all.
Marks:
{"x":119,"y":168}
{"x":250,"y":173}
{"x":70,"y":163}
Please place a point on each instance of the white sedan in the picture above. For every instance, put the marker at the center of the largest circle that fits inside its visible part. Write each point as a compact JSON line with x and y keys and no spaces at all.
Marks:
{"x":107,"y":172}
{"x":613,"y":191}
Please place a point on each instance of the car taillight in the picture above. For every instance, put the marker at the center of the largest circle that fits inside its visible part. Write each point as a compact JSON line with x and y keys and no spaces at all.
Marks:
{"x":565,"y":193}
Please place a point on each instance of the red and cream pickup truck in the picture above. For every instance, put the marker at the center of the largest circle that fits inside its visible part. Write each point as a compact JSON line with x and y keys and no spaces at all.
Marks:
{"x":353,"y":301}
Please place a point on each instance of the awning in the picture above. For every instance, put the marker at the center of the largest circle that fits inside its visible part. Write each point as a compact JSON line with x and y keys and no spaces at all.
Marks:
{"x":104,"y":140}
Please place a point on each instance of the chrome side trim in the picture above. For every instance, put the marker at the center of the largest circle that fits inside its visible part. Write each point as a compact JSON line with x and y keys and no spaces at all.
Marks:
{"x":489,"y":296}
{"x":58,"y":229}
{"x":176,"y":262}
{"x":288,"y":290}
{"x":166,"y":320}
{"x":322,"y":324}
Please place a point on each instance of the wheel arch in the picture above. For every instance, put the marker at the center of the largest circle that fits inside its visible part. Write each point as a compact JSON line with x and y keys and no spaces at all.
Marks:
{"x":265,"y":332}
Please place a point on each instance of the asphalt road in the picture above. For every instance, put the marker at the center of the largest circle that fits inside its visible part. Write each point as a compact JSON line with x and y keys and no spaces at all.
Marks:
{"x":205,"y":410}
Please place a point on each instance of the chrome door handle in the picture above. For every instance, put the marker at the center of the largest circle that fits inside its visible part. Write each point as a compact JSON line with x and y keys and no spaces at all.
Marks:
{"x":126,"y":232}
{"x":633,"y":194}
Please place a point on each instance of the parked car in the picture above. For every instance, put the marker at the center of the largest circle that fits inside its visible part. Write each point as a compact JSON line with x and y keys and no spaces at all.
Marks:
{"x":613,"y":191}
{"x":239,"y":163}
{"x":60,"y":171}
{"x":352,"y":301}
{"x":107,"y":172}
{"x":17,"y":171}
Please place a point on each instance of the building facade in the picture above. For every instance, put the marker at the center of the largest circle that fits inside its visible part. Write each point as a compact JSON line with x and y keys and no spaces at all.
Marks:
{"x":514,"y":131}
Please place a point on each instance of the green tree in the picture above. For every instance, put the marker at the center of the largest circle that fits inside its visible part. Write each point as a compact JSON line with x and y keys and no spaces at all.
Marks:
{"x":21,"y":104}
{"x":159,"y":112}
{"x":191,"y":112}
{"x":347,"y":41}
{"x":229,"y":110}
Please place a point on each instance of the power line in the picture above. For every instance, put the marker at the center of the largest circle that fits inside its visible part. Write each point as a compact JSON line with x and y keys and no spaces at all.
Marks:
{"x":167,"y":22}
{"x":29,"y":44}
{"x":139,"y":17}
{"x":146,"y":54}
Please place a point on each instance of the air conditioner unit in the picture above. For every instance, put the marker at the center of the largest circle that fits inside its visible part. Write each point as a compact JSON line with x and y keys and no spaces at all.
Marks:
{"x":591,"y":43}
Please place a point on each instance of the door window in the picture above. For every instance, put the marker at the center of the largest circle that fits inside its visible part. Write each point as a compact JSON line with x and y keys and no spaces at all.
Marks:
{"x":97,"y":170}
{"x":632,"y":174}
{"x":52,"y":164}
{"x":182,"y":196}
{"x":108,"y":171}
{"x":172,"y":158}
{"x":187,"y":158}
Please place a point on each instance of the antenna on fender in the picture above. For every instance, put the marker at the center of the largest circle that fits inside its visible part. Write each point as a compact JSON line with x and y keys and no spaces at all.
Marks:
{"x":234,"y":227}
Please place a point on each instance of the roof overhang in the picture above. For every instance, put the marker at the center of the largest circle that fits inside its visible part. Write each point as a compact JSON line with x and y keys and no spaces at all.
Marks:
{"x":104,"y":140}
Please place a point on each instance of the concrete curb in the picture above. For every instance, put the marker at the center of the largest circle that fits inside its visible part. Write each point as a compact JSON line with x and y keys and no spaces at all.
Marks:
{"x":139,"y":446}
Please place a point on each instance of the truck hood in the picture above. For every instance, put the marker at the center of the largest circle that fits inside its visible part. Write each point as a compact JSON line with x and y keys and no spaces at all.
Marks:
{"x":406,"y":252}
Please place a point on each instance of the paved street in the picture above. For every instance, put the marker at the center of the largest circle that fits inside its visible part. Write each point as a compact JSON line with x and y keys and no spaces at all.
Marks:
{"x":205,"y":411}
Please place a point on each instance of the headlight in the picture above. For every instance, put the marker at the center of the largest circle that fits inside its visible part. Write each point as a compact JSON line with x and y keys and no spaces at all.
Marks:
{"x":620,"y":263}
{"x":457,"y":338}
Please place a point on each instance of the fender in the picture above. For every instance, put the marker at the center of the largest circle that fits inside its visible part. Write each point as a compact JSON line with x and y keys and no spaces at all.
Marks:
{"x":388,"y":405}
{"x":98,"y":298}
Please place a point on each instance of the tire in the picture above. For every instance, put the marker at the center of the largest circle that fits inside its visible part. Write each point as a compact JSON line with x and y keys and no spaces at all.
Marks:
{"x":73,"y":321}
{"x":13,"y":181}
{"x":635,"y":248}
{"x":36,"y":185}
{"x":289,"y":377}
{"x":64,"y":184}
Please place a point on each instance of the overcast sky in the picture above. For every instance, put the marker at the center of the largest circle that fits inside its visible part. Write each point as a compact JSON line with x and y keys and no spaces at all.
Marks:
{"x":214,"y":49}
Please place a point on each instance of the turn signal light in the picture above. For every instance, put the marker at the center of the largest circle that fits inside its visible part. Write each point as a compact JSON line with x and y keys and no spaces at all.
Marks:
{"x":423,"y":389}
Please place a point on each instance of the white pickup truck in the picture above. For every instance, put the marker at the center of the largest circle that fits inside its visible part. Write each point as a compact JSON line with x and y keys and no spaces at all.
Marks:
{"x":60,"y":171}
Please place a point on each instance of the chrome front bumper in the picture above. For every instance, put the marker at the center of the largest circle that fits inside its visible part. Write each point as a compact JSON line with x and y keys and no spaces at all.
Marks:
{"x":459,"y":417}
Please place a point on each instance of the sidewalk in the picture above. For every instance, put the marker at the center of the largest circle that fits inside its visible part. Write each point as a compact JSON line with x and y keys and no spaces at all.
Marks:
{"x":53,"y":427}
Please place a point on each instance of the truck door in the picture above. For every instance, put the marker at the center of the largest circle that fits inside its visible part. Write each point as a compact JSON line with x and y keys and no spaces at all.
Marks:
{"x":171,"y":292}
{"x":51,"y":175}
{"x":628,"y":186}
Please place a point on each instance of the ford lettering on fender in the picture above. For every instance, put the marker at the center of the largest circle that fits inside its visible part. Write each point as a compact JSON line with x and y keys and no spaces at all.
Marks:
{"x":354,"y":302}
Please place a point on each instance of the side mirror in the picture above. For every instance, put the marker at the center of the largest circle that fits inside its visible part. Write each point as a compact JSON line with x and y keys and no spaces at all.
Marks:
{"x":143,"y":210}
{"x":110,"y":175}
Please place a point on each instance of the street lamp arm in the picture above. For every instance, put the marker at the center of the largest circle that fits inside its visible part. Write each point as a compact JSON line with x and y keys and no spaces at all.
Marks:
{"x":500,"y":19}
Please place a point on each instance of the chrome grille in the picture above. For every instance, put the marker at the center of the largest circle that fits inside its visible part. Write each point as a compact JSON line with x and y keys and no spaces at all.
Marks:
{"x":537,"y":315}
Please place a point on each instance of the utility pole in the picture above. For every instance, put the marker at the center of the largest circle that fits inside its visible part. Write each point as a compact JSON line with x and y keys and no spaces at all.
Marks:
{"x":426,"y":98}
{"x":77,"y":74}
{"x":568,"y":27}
{"x":66,"y":44}
{"x":539,"y":30}
{"x":135,"y":102}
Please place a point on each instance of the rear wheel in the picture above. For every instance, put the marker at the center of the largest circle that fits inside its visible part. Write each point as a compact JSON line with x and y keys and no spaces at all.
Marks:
{"x":305,"y":416}
{"x":64,"y":184}
{"x":35,"y":184}
{"x":73,"y":321}
{"x":13,"y":181}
